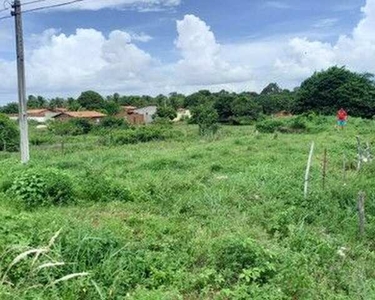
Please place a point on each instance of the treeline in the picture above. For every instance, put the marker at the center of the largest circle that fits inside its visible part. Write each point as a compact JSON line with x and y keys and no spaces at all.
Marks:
{"x":323,"y":93}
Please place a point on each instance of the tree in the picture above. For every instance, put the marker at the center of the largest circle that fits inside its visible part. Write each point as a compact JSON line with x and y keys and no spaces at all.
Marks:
{"x":9,"y":134}
{"x":111,"y":107}
{"x":166,"y":112}
{"x":176,"y":100}
{"x":223,"y":105}
{"x":10,"y":108}
{"x":271,"y":89}
{"x":207,"y":118}
{"x":36,"y":102}
{"x":275,"y":103}
{"x":245,"y":109}
{"x":91,"y":100}
{"x":57,"y":103}
{"x":199,"y":98}
{"x":325,"y":92}
{"x":73,"y":104}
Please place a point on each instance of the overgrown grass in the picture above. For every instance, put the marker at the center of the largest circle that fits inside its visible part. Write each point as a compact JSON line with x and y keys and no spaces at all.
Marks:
{"x":191,"y":218}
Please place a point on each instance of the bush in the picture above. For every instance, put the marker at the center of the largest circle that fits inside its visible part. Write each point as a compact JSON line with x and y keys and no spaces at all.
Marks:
{"x":207,"y":118}
{"x":293,"y":125}
{"x":243,"y":259}
{"x":9,"y":134}
{"x":166,"y":112}
{"x":269,"y":125}
{"x":82,"y":126}
{"x":113,"y":122}
{"x":99,"y":189}
{"x":36,"y":188}
{"x":138,"y":135}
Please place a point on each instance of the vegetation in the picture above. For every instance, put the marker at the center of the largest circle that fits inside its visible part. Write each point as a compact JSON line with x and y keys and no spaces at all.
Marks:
{"x":188,"y":217}
{"x":207,"y":118}
{"x":9,"y":134}
{"x":166,"y":112}
{"x":325,"y":92}
{"x":159,"y":212}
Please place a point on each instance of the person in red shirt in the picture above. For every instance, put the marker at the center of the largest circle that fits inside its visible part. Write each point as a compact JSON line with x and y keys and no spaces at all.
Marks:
{"x":342,"y":118}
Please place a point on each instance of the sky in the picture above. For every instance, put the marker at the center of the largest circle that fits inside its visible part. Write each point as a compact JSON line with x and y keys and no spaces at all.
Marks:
{"x":163,"y":46}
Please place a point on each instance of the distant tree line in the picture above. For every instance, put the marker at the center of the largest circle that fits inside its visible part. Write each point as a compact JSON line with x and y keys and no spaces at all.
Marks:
{"x":323,"y":93}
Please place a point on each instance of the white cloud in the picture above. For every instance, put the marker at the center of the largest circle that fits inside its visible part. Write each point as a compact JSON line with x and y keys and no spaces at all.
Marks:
{"x":355,"y":51}
{"x":323,"y":23}
{"x":202,"y":61}
{"x":59,"y":64}
{"x":141,"y":5}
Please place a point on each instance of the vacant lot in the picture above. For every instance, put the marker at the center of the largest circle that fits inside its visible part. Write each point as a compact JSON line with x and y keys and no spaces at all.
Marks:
{"x":193,"y":218}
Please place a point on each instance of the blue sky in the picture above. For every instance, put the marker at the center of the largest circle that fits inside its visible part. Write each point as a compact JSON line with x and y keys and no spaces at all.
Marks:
{"x":236,"y":44}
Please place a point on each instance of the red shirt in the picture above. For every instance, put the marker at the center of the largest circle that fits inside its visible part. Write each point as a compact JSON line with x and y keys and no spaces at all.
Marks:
{"x":342,"y":115}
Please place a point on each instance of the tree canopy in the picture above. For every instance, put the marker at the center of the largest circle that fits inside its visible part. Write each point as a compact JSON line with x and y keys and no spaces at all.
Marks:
{"x":327,"y":91}
{"x":91,"y":100}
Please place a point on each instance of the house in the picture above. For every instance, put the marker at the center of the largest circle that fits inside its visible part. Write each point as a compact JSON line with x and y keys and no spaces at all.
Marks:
{"x":93,"y":116}
{"x":147,"y":112}
{"x":182,"y":114}
{"x":39,"y":115}
{"x":128,"y":113}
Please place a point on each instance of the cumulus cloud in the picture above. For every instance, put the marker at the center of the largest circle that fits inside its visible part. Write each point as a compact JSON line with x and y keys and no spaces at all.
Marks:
{"x":202,"y":61}
{"x":60,"y":64}
{"x":83,"y":60}
{"x":302,"y":56}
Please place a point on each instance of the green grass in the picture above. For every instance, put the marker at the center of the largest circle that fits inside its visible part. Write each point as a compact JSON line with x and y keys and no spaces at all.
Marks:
{"x":223,"y":218}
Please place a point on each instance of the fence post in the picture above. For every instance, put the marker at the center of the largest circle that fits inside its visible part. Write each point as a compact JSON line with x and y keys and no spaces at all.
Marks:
{"x":325,"y":168}
{"x":361,"y":212}
{"x":359,"y":149}
{"x":307,"y":174}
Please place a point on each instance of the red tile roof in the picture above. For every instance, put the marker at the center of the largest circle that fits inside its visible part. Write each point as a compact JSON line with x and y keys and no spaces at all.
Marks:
{"x":84,"y":114}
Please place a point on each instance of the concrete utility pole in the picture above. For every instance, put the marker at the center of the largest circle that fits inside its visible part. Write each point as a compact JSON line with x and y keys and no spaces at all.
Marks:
{"x":24,"y":144}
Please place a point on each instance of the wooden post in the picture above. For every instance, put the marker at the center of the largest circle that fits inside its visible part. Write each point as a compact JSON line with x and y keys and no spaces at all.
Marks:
{"x":359,"y":149}
{"x":307,"y":174}
{"x":344,"y":167}
{"x":361,"y":212}
{"x":324,"y":168}
{"x":62,"y":145}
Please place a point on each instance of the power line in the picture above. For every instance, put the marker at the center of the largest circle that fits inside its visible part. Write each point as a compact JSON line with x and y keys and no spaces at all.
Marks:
{"x":40,"y":8}
{"x":32,"y":2}
{"x":6,"y":17}
{"x":52,"y":6}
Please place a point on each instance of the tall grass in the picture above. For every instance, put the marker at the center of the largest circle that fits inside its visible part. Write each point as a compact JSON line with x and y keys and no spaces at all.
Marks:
{"x":191,"y":218}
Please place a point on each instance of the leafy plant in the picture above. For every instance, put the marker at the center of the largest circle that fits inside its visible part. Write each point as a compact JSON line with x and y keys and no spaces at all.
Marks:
{"x":36,"y":188}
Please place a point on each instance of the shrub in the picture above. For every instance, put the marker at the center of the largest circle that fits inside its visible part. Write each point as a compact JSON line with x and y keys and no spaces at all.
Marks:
{"x":139,"y":135}
{"x":269,"y":125}
{"x":113,"y":122}
{"x":100,"y":189}
{"x":293,"y":125}
{"x":82,"y":126}
{"x":207,"y":118}
{"x":244,"y":259}
{"x":35,"y":188}
{"x":166,"y":112}
{"x":9,"y":134}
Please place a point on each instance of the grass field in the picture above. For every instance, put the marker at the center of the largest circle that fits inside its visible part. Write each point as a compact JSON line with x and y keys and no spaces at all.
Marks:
{"x":195,"y":218}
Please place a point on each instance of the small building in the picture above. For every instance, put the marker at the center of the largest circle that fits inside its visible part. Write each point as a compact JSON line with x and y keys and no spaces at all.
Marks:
{"x":147,"y":112}
{"x":182,"y":114}
{"x":128,"y":113}
{"x":39,"y":115}
{"x":93,"y":116}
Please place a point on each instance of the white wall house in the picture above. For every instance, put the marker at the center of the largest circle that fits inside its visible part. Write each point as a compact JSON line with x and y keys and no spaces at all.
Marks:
{"x":148,"y":112}
{"x":181,"y":114}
